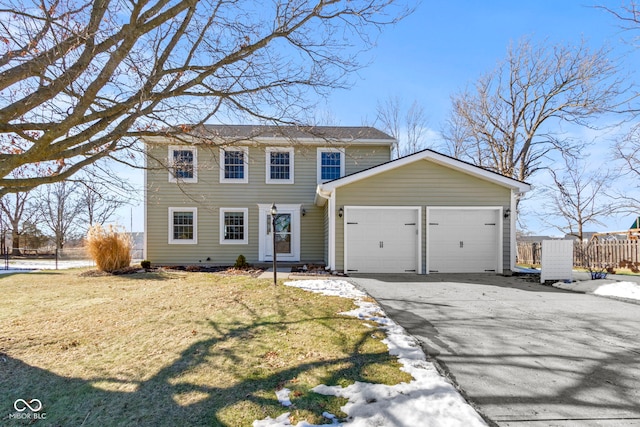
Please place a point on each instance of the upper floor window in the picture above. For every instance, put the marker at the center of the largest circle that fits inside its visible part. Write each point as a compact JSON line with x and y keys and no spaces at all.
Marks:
{"x":330,"y":164}
{"x":183,"y":164}
{"x":234,"y":164}
{"x":279,"y":165}
{"x":183,"y":225}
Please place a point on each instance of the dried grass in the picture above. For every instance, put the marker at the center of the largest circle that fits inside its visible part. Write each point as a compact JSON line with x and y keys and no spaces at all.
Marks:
{"x":168,"y":348}
{"x":109,"y":248}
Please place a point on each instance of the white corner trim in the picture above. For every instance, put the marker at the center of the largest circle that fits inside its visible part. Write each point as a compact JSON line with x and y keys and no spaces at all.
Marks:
{"x":245,"y":159}
{"x":332,"y":231}
{"x":245,"y":212}
{"x":512,"y":229}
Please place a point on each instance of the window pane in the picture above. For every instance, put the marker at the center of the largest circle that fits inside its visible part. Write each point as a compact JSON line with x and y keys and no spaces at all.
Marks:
{"x":183,"y":225}
{"x":283,"y":223}
{"x":280,"y":165}
{"x":234,"y":164}
{"x":183,"y":163}
{"x":330,"y":165}
{"x":283,"y":243}
{"x":234,"y":226}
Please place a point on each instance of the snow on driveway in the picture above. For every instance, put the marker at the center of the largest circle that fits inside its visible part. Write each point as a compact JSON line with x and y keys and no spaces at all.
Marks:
{"x":428,"y":400}
{"x":604,"y":287}
{"x":619,"y":289}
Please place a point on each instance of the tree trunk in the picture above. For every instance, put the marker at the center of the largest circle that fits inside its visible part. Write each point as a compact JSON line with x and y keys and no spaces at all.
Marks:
{"x":15,"y":246}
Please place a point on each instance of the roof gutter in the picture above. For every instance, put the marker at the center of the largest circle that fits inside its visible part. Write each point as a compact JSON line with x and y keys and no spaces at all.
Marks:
{"x":322,"y":195}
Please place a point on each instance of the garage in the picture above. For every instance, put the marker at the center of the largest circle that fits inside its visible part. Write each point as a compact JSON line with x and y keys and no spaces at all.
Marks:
{"x":382,"y":239}
{"x":464,"y":240}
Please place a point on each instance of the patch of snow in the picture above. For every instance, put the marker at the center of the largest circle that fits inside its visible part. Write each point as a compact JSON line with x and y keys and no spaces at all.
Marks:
{"x":283,"y":420}
{"x":23,"y":266}
{"x":620,"y":289}
{"x":283,"y":396}
{"x":428,"y":400}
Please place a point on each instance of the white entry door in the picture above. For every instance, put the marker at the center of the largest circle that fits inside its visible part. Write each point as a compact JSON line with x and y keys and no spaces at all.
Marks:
{"x":287,"y":233}
{"x":464,"y":240}
{"x":382,"y":239}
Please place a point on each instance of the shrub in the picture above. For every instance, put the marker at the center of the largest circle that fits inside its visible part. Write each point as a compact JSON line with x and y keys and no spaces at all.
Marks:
{"x":241,"y":262}
{"x":109,"y":248}
{"x":146,"y":264}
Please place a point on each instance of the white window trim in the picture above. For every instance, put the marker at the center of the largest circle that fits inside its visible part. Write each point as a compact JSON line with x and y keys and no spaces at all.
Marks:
{"x":172,"y":177}
{"x":245,"y":213}
{"x":268,"y":178}
{"x":193,"y":241}
{"x":244,"y":180}
{"x":319,"y":161}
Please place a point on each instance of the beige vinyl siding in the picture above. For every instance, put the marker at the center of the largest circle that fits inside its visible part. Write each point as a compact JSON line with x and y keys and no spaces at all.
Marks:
{"x":209,"y":195}
{"x":358,"y":158}
{"x":422,"y":183}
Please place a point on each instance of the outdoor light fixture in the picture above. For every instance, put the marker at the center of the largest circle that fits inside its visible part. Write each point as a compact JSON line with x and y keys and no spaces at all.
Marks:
{"x":303,"y":211}
{"x":274,"y":213}
{"x":340,"y":212}
{"x":507,"y":213}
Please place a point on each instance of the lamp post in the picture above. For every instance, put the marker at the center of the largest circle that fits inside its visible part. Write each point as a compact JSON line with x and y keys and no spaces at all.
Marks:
{"x":274,"y":213}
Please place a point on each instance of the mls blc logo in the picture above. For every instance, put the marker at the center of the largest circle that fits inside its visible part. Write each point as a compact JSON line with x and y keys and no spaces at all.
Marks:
{"x":33,"y":405}
{"x":22,"y":405}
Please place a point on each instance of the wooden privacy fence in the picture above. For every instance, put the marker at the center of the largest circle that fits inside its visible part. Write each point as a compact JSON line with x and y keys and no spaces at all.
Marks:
{"x":601,"y":253}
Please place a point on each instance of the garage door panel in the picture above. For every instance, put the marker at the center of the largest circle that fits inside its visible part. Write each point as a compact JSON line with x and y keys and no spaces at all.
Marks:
{"x":463,"y":240}
{"x":380,"y":240}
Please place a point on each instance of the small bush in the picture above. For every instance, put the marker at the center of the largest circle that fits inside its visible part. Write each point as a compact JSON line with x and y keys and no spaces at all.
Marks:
{"x":109,"y":248}
{"x":241,"y":262}
{"x":146,"y":264}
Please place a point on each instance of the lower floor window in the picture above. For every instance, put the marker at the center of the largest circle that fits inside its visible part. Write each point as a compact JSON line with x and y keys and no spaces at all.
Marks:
{"x":183,"y":225}
{"x":233,"y":225}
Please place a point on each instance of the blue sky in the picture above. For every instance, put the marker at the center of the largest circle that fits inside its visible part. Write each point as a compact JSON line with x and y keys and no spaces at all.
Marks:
{"x":446,"y":45}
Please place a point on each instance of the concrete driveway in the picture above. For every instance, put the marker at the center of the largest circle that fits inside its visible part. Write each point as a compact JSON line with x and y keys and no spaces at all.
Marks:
{"x":522,"y":353}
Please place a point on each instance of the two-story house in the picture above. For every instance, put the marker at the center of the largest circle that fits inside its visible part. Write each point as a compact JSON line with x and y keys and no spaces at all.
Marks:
{"x":340,"y":199}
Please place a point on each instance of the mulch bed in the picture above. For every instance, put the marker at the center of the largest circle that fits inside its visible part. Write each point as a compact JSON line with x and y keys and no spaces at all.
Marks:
{"x":226,"y":270}
{"x":253,"y":272}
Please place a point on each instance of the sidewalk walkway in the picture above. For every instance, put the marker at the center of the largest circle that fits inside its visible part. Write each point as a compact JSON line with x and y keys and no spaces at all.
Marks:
{"x":283,"y":273}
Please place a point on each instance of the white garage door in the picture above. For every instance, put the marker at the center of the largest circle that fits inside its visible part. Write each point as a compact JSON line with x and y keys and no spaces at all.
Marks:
{"x":463,"y":240}
{"x":382,"y":240}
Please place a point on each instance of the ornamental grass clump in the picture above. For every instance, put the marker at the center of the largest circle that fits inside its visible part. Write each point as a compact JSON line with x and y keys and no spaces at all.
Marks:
{"x":109,"y":248}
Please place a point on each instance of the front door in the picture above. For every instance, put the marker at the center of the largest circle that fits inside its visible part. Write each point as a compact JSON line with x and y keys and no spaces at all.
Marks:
{"x":287,"y":233}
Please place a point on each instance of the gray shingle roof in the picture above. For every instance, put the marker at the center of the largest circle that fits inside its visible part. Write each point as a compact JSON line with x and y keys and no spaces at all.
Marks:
{"x":348,"y":133}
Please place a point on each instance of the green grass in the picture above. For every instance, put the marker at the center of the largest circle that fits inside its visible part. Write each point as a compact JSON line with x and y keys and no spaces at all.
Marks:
{"x":177,"y":349}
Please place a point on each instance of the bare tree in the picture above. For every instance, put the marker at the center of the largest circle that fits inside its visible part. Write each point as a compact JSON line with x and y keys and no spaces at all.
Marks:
{"x":60,"y":207}
{"x":408,"y":127}
{"x":508,"y":122}
{"x":579,"y":197}
{"x":14,"y":208}
{"x":82,"y":79}
{"x":100,"y":204}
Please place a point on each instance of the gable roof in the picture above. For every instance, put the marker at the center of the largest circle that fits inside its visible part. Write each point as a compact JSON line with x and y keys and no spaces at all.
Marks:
{"x":325,"y":189}
{"x":297,"y":132}
{"x":321,"y":134}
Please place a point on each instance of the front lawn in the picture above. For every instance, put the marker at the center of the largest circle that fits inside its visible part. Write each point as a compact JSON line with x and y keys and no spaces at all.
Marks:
{"x":177,"y":348}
